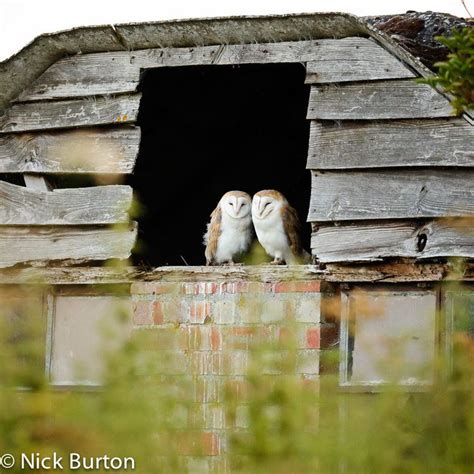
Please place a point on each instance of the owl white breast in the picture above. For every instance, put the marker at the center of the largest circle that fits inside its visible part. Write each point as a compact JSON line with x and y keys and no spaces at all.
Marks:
{"x":229,"y":233}
{"x":277,"y":227}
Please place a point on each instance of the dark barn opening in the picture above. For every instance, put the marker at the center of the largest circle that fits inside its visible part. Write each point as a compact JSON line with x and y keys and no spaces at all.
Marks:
{"x":211,"y":129}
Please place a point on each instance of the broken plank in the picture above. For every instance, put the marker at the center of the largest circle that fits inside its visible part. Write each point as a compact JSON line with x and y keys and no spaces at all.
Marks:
{"x":372,"y":242}
{"x":396,"y":99}
{"x":391,"y":194}
{"x":438,"y":142}
{"x":88,"y":150}
{"x":70,"y":113}
{"x":28,"y":244}
{"x":94,"y":205}
{"x":118,"y":72}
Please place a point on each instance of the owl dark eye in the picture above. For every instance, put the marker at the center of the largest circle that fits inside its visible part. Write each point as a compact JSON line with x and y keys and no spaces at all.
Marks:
{"x":266,"y":204}
{"x":231,"y":203}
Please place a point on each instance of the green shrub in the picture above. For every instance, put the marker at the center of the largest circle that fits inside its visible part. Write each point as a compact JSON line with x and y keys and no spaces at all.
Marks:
{"x":456,"y":75}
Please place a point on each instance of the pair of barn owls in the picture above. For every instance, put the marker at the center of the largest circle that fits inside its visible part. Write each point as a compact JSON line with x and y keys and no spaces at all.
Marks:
{"x":230,"y":233}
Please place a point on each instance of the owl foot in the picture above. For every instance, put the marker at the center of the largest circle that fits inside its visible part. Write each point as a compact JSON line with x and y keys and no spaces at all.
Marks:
{"x":277,"y":261}
{"x":231,"y":263}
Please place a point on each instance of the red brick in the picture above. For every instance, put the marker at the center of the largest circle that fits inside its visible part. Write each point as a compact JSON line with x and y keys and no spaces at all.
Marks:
{"x":234,"y":287}
{"x":173,"y":311}
{"x":224,"y":311}
{"x":191,"y":338}
{"x":200,"y":288}
{"x":239,"y":388}
{"x":241,"y":286}
{"x":142,"y":313}
{"x":199,"y":311}
{"x":284,"y":336}
{"x":311,"y":286}
{"x":208,"y":389}
{"x":313,"y":338}
{"x":154,"y":288}
{"x":215,"y":339}
{"x":157,"y":312}
{"x":245,"y":337}
{"x":210,"y":444}
{"x":199,"y":443}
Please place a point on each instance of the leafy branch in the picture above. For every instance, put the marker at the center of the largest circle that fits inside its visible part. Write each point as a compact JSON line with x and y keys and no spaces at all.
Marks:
{"x":456,"y":74}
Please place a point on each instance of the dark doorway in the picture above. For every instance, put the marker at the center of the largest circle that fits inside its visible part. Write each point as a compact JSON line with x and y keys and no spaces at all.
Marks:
{"x":211,"y":129}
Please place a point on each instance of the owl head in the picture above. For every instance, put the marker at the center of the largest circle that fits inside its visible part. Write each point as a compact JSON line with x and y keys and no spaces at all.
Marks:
{"x":236,"y":204}
{"x":267,"y":203}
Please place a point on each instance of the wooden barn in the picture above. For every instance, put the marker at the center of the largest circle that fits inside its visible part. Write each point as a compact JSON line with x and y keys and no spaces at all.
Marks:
{"x":323,"y":107}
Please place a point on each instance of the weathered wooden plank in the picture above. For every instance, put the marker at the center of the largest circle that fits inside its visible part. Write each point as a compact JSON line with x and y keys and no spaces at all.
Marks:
{"x":118,"y":72}
{"x":443,"y":238}
{"x":355,"y":61}
{"x":391,"y":194}
{"x":73,"y":243}
{"x":67,"y":275}
{"x":390,"y":272}
{"x":438,"y":142}
{"x":88,"y":150}
{"x":94,"y":205}
{"x":398,"y":270}
{"x":396,"y":99}
{"x":70,"y":113}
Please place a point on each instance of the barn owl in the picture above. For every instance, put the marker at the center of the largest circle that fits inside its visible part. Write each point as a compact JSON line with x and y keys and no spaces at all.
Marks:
{"x":230,"y":231}
{"x":277,"y":226}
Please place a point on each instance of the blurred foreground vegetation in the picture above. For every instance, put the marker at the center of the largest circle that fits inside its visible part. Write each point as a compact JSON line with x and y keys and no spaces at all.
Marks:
{"x":281,"y":424}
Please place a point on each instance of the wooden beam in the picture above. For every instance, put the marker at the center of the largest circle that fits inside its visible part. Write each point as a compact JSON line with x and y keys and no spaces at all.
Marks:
{"x":76,"y":244}
{"x":94,"y":205}
{"x":369,"y":272}
{"x":376,"y":241}
{"x":438,"y":142}
{"x":398,"y":271}
{"x":70,"y":113}
{"x":88,"y":150}
{"x":119,"y":72}
{"x":397,"y":99}
{"x":391,"y":194}
{"x":67,"y":275}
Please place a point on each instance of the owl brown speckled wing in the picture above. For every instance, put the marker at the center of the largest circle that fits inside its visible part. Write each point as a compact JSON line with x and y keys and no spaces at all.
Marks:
{"x":291,"y":224}
{"x":212,"y":235}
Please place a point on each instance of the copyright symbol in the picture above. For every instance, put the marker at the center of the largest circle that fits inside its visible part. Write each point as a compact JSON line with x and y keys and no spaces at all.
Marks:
{"x":7,"y":461}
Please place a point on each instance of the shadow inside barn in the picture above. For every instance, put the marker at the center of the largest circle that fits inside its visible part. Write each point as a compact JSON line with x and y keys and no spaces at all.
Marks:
{"x":210,"y":129}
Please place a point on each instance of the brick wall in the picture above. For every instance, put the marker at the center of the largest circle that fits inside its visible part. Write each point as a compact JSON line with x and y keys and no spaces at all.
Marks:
{"x":207,"y":328}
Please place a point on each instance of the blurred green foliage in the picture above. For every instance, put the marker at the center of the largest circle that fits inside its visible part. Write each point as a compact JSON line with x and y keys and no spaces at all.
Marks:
{"x":280,"y":423}
{"x":456,"y":75}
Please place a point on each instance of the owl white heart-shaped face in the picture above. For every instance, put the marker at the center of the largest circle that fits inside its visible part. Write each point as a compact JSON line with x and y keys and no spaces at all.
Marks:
{"x":264,"y":206}
{"x":236,"y":204}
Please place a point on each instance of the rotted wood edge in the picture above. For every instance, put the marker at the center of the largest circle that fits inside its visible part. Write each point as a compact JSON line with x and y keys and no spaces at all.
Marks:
{"x":397,"y":271}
